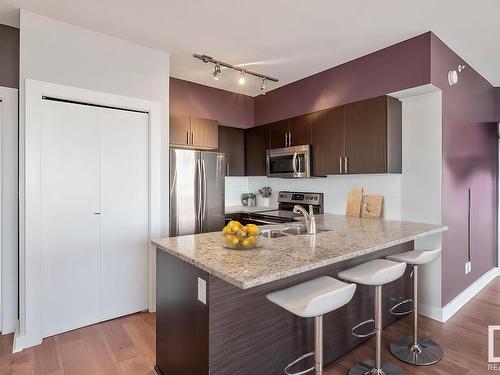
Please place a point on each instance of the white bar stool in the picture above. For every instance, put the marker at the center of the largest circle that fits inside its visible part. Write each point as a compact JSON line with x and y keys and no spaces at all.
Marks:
{"x":415,"y":350}
{"x":377,"y":273}
{"x":313,"y":298}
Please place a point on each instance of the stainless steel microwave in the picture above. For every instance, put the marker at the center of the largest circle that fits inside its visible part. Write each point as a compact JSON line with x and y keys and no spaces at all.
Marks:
{"x":289,"y":162}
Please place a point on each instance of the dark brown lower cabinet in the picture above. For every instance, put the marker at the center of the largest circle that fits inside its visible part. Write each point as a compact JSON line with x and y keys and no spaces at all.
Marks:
{"x":257,"y":140}
{"x":239,"y":332}
{"x":328,"y":141}
{"x":232,"y":144}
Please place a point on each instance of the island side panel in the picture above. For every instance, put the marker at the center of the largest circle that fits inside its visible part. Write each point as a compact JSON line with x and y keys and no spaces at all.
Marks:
{"x":181,"y":319}
{"x":250,"y":335}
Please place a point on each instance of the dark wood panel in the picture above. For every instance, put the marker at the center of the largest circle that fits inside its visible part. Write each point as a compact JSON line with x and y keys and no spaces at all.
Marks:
{"x":181,"y":320}
{"x":300,"y":130}
{"x":250,"y":335}
{"x":180,"y":127}
{"x":279,"y":130}
{"x":9,"y":58}
{"x":232,"y":144}
{"x":328,"y":141}
{"x":204,"y":133}
{"x":366,"y":136}
{"x":256,"y":144}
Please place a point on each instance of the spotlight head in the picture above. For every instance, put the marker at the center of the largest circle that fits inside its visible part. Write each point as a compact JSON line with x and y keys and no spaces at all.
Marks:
{"x":241,"y":81}
{"x":263,"y":86}
{"x":217,"y":72}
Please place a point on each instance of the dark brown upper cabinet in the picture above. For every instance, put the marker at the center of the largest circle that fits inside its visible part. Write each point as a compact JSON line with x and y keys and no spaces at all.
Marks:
{"x":361,"y":137}
{"x":300,"y":130}
{"x":328,"y":141}
{"x":279,"y":133}
{"x":257,"y":142}
{"x":373,"y":136}
{"x":190,"y":131}
{"x":232,"y":144}
{"x":291,"y":132}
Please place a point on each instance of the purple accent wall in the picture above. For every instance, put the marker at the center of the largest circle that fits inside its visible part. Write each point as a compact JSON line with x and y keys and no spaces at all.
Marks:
{"x":470,"y":154}
{"x":400,"y":66}
{"x":9,"y":56}
{"x":203,"y":101}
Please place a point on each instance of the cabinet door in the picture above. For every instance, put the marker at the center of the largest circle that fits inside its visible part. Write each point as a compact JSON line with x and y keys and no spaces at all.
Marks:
{"x":366,"y":136}
{"x":204,"y":133}
{"x":279,"y":130}
{"x":124,"y":213}
{"x":256,"y":145}
{"x":300,"y":130}
{"x":328,"y":141}
{"x":232,"y":144}
{"x":180,"y":129}
{"x":70,"y":228}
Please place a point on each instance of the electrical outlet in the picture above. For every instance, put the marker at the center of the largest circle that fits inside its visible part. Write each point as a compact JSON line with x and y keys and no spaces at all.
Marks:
{"x":468,"y":267}
{"x":202,"y":291}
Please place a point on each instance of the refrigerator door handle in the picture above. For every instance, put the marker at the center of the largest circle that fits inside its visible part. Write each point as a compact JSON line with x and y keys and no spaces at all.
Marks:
{"x":204,"y":189}
{"x":198,"y":213}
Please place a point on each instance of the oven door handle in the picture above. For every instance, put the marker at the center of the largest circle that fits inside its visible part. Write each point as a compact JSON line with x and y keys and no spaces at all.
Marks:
{"x":294,"y":164}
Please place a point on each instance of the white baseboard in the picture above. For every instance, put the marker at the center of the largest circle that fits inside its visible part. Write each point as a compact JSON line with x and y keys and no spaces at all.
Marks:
{"x":23,"y":341}
{"x":445,"y":313}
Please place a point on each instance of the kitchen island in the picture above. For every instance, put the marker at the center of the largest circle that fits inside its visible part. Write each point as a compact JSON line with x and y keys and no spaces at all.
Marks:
{"x":212,"y":313}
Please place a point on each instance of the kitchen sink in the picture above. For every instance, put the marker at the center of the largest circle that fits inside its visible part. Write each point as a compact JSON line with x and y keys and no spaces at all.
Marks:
{"x":287,"y":231}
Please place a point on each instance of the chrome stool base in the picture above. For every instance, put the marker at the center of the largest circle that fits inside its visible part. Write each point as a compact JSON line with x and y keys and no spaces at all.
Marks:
{"x":426,"y":353}
{"x":367,"y":368}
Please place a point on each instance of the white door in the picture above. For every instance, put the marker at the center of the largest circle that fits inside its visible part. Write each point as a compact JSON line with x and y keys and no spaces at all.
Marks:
{"x":70,"y":229}
{"x":124,"y":212}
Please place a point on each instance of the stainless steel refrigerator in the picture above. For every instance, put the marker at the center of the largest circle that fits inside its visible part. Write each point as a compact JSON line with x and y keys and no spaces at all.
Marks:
{"x":196,"y":191}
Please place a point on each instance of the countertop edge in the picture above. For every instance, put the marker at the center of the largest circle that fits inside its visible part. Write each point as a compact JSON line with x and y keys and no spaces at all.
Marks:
{"x":296,"y":271}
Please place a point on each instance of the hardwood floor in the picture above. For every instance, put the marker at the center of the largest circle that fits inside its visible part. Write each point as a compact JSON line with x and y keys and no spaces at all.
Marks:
{"x":126,"y":346}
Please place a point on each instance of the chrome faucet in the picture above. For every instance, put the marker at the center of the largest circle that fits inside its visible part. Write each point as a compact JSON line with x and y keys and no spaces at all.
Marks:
{"x":310,"y":219}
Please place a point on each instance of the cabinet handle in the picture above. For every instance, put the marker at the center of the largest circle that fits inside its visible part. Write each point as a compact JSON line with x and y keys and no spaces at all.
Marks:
{"x":340,"y":165}
{"x":187,"y":138}
{"x":286,"y":139}
{"x":227,"y":169}
{"x":346,"y":170}
{"x":192,"y":138}
{"x":289,"y":139}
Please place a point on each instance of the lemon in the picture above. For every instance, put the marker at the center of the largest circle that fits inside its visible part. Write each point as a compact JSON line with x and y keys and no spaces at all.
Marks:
{"x":253,"y":230}
{"x":235,"y":241}
{"x":244,"y":229}
{"x":246,"y":243}
{"x":227,"y":230}
{"x":252,"y":240}
{"x":229,"y":238}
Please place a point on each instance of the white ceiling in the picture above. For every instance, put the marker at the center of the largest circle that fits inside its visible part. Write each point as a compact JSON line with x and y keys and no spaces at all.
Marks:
{"x":288,"y":39}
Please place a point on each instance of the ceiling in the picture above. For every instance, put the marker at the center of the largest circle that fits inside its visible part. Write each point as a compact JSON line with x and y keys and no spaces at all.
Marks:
{"x":286,"y":39}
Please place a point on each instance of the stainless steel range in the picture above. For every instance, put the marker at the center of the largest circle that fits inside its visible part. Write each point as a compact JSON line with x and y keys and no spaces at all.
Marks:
{"x":284,"y":214}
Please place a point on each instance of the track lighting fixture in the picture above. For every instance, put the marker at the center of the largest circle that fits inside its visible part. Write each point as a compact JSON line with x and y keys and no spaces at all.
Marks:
{"x":263,"y":86}
{"x":243,"y":72}
{"x":217,"y":72}
{"x":241,"y":81}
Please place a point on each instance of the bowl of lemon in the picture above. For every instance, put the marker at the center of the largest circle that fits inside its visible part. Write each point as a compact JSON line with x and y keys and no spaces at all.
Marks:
{"x":241,"y":237}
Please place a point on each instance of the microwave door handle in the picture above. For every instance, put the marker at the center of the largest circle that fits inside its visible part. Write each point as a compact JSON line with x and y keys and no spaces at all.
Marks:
{"x":294,"y":163}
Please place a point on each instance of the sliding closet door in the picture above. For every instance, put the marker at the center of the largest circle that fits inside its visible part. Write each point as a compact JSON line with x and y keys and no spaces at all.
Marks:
{"x":70,"y":229}
{"x":124,"y":219}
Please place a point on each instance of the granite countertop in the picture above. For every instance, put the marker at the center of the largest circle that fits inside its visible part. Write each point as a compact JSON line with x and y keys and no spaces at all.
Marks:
{"x":281,"y":257}
{"x":245,"y":209}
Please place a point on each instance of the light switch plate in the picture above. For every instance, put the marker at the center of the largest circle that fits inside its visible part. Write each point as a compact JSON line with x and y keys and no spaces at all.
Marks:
{"x":202,"y":291}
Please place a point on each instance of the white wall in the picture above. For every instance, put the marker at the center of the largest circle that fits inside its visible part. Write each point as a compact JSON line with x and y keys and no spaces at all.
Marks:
{"x":9,"y":208}
{"x":60,"y":53}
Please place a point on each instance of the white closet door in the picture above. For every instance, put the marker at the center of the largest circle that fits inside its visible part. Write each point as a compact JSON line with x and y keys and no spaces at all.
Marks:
{"x":124,"y":219}
{"x":70,"y":229}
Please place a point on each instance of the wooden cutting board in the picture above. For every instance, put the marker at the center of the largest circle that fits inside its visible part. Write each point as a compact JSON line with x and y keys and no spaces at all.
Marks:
{"x":372,"y":206}
{"x":354,"y":200}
